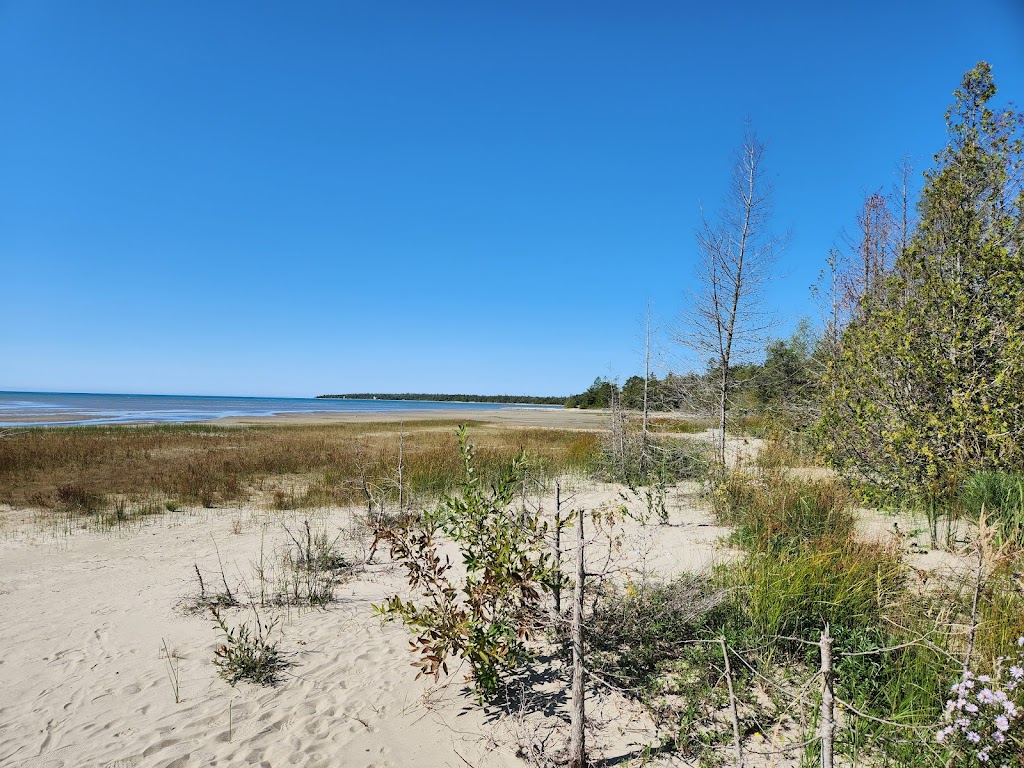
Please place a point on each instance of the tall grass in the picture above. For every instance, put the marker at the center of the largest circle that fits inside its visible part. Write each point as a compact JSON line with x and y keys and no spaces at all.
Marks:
{"x":84,"y":469}
{"x":846,"y":584}
{"x":1000,"y":496}
{"x":773,"y":511}
{"x":804,"y":568}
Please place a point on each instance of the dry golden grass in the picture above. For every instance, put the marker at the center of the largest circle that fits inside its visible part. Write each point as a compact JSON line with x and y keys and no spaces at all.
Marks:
{"x":91,"y":468}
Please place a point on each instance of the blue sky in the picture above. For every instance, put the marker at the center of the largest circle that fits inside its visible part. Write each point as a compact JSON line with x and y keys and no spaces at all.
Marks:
{"x":298,"y":198}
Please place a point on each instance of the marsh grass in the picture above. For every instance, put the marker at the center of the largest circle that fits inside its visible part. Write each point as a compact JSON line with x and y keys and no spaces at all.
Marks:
{"x":82,"y":471}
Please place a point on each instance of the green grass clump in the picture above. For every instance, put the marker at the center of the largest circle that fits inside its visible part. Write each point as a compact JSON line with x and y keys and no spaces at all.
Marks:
{"x":773,"y":511}
{"x":795,"y":593}
{"x":1000,"y":497}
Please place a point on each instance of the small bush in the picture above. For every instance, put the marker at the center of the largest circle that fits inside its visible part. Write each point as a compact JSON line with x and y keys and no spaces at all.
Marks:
{"x":247,"y":653}
{"x":634,"y":633}
{"x":661,"y":461}
{"x":486,"y":617}
{"x":984,"y":719}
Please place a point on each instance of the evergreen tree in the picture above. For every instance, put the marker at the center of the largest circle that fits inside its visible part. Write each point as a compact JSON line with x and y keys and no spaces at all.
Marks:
{"x":927,"y":385}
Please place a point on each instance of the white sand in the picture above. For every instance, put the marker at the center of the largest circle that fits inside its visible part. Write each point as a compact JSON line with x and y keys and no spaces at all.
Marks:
{"x":83,"y":681}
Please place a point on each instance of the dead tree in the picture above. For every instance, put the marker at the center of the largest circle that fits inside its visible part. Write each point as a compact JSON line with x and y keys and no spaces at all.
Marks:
{"x":827,"y":719}
{"x":577,"y":742}
{"x":725,"y":321}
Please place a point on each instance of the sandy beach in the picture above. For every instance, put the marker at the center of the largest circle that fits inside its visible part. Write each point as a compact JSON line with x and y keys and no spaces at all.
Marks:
{"x":107,"y":662}
{"x":85,"y":679}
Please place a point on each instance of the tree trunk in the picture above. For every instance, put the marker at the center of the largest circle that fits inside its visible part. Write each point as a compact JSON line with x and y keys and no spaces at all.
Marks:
{"x":827,"y":701}
{"x":577,"y":744}
{"x":647,"y":379}
{"x":556,"y":591}
{"x":722,"y":405}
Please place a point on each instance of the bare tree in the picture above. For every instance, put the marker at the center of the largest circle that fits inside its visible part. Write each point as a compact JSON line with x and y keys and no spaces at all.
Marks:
{"x":855,"y":271}
{"x":725,"y":321}
{"x":647,"y":388}
{"x":578,"y":738}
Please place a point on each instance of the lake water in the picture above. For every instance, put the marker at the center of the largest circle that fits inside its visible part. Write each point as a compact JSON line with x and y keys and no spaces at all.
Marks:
{"x":59,"y":408}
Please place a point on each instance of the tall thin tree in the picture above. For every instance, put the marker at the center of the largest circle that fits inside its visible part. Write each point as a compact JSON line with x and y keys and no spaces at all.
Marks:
{"x":725,"y":321}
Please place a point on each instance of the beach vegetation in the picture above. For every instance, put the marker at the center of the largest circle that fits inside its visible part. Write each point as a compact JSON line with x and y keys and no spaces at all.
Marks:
{"x":246,"y":652}
{"x":485,"y":616}
{"x":82,"y":470}
{"x":925,"y":387}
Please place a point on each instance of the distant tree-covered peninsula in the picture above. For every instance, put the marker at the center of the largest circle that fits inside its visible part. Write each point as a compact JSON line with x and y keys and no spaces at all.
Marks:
{"x":513,"y":399}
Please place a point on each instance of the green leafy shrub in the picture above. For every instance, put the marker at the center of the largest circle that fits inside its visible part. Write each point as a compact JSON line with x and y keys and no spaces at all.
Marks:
{"x":486,"y":617}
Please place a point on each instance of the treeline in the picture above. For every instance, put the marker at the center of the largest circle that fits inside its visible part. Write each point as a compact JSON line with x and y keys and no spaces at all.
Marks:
{"x":510,"y":399}
{"x":788,"y":378}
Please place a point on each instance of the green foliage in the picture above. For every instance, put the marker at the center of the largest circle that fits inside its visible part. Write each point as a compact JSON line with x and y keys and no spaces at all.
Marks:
{"x":247,"y":653}
{"x":598,"y":395}
{"x":633,"y":392}
{"x":790,"y":373}
{"x":486,"y":617}
{"x":999,"y":496}
{"x":926,"y":386}
{"x":795,"y":594}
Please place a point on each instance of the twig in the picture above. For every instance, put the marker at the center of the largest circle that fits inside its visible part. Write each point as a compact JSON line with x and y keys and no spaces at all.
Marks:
{"x":737,"y":746}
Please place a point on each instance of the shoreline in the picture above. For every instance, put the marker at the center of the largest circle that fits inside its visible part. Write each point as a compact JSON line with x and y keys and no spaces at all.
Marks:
{"x":528,"y":416}
{"x":523,"y":416}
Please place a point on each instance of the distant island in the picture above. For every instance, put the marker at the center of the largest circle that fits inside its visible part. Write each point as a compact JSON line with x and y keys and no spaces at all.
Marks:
{"x":512,"y":399}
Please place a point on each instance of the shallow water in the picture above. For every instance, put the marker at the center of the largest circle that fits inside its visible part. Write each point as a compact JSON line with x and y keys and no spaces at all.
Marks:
{"x":64,"y":408}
